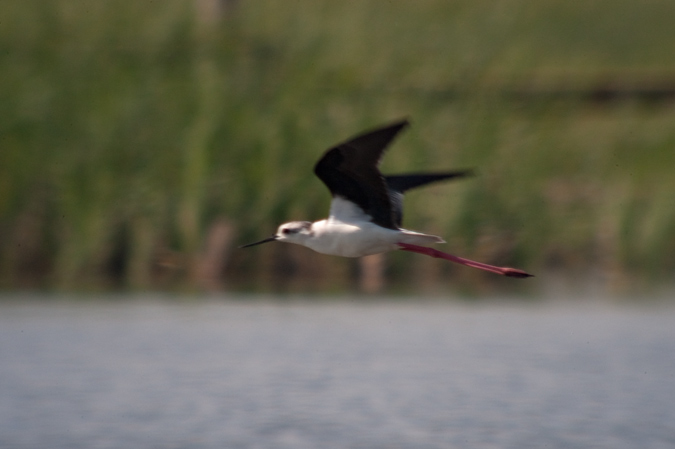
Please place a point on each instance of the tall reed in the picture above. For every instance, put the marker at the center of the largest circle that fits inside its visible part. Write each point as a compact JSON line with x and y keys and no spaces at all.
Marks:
{"x":128,"y":128}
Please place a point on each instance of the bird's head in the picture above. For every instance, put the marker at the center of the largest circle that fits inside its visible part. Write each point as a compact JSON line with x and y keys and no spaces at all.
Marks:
{"x":292,"y":232}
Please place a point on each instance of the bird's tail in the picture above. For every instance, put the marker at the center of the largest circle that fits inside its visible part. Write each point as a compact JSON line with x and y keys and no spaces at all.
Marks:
{"x":417,"y":238}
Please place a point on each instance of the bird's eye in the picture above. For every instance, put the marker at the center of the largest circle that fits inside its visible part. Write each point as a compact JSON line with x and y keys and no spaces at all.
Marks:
{"x":285,"y":231}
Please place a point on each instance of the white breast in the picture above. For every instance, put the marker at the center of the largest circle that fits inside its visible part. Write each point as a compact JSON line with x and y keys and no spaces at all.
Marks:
{"x":348,"y":232}
{"x":351,"y":240}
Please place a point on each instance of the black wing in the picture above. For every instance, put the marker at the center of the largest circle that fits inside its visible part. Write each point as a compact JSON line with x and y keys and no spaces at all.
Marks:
{"x":350,"y":171}
{"x":399,"y":184}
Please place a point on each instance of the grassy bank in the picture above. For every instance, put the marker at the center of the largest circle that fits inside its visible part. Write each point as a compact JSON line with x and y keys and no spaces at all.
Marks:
{"x":127,"y":129}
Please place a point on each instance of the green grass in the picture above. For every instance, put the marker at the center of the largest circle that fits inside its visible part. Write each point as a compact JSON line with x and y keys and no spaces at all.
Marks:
{"x":128,"y":128}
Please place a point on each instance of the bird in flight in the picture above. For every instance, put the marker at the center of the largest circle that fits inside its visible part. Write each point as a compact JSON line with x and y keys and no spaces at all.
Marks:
{"x":367,"y":207}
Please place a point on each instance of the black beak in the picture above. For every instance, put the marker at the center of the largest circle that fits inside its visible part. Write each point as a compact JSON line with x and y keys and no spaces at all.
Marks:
{"x":268,"y":239}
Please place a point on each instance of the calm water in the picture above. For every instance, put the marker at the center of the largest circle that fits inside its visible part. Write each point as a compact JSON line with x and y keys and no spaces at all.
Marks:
{"x":335,"y":375}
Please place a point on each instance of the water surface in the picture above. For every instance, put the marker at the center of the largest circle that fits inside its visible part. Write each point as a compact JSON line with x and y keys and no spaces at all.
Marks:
{"x":348,"y":374}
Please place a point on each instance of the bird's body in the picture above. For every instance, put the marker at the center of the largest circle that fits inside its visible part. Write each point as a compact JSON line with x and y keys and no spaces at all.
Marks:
{"x":367,"y":208}
{"x":348,"y":232}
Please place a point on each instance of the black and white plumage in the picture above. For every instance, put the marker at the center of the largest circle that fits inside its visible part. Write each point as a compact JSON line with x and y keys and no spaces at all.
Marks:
{"x":367,"y":208}
{"x":350,"y":171}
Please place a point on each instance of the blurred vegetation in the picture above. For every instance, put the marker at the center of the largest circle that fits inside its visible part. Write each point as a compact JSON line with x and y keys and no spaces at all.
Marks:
{"x":127,"y":128}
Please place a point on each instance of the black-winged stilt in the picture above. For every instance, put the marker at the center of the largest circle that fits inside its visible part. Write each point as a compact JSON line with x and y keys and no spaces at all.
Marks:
{"x":367,"y":208}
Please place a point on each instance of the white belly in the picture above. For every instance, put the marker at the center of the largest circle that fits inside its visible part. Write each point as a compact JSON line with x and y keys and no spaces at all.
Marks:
{"x":361,"y":239}
{"x":348,"y":240}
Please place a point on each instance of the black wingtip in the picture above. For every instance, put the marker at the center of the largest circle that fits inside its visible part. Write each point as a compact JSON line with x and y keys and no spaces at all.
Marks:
{"x":390,"y":130}
{"x":404,"y":182}
{"x":405,"y":121}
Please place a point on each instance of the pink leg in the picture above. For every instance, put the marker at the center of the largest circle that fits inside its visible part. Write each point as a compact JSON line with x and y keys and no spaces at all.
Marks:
{"x":512,"y":272}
